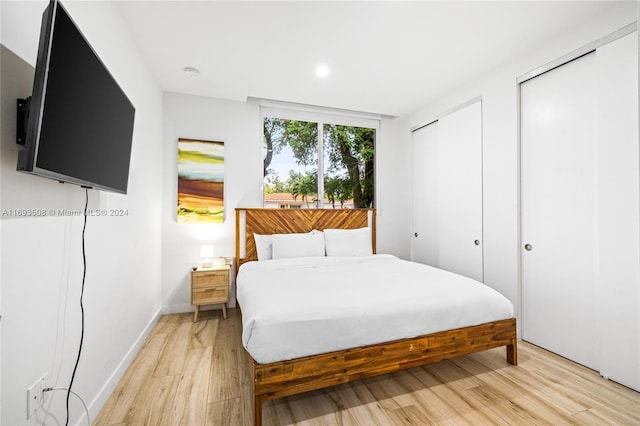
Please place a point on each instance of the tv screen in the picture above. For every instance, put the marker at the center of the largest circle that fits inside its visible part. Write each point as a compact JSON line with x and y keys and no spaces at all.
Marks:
{"x":80,"y":122}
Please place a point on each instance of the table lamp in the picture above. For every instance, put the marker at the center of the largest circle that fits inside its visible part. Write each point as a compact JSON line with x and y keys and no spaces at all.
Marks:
{"x":206,"y":254}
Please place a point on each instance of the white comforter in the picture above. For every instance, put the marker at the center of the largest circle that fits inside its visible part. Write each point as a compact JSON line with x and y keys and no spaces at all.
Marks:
{"x":305,"y":306}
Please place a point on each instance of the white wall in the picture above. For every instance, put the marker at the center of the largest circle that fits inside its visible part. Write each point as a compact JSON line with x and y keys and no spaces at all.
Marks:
{"x":500,"y":146}
{"x":237,"y":124}
{"x":41,"y":257}
{"x":392,"y":191}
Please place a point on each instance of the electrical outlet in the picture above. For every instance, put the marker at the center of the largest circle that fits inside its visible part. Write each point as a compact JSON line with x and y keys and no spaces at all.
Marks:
{"x":35,"y":396}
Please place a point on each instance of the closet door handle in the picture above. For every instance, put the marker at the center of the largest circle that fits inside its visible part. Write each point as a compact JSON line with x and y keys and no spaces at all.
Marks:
{"x":476,"y":242}
{"x":528,"y":247}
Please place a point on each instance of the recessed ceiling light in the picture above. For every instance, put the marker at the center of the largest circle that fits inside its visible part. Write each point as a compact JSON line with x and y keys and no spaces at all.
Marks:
{"x":191,"y":72}
{"x":322,"y":71}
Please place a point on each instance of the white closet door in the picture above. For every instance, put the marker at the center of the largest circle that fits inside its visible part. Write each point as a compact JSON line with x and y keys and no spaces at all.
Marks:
{"x":425,"y":196}
{"x":619,"y":211}
{"x":558,"y":211}
{"x":460,"y":138}
{"x":447,"y":166}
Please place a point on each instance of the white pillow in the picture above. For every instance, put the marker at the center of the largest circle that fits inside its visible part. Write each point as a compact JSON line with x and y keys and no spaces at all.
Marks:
{"x":348,"y":242}
{"x":263,"y":246}
{"x":297,"y":245}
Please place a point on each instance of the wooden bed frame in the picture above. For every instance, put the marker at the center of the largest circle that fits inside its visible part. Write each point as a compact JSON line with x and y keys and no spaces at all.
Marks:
{"x":280,"y":379}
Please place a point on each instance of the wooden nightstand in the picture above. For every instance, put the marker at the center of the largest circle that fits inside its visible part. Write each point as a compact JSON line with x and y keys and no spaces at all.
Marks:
{"x":210,"y":286}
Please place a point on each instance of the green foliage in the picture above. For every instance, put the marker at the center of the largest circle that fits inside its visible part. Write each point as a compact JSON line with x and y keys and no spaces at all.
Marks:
{"x":273,"y":185}
{"x":300,"y":136}
{"x":303,"y":185}
{"x":337,"y":189}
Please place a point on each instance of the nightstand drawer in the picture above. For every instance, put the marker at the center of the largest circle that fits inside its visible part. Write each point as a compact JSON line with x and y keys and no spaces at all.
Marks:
{"x":207,"y":279}
{"x":204,"y":296}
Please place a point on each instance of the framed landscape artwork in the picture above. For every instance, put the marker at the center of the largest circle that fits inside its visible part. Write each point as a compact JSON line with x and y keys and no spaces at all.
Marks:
{"x":200,"y":181}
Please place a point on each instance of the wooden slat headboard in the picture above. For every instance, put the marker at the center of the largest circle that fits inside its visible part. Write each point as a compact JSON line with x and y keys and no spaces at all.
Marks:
{"x":251,"y":221}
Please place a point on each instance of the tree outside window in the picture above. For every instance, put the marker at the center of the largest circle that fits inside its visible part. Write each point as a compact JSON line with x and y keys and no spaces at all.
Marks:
{"x":291,"y":152}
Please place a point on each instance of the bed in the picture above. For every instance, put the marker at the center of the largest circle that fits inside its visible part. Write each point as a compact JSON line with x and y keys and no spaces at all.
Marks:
{"x":319,"y":314}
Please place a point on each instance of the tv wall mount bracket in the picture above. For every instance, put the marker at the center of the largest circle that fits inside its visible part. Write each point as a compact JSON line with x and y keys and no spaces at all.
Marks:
{"x":22,"y":118}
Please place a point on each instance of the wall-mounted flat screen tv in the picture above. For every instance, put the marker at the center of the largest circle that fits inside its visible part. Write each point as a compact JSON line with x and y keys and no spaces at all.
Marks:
{"x":79,"y":126}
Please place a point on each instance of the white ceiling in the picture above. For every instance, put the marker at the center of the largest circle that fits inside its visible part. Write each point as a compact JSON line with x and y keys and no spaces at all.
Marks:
{"x":385,"y":57}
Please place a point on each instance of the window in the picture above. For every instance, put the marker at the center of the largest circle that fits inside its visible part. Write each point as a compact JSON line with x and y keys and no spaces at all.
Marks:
{"x":295,"y":150}
{"x":349,"y":154}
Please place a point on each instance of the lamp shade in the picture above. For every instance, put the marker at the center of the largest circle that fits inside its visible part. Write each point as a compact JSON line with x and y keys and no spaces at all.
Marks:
{"x":206,"y":253}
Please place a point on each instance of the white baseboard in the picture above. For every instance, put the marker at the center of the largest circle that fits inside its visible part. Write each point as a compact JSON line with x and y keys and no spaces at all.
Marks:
{"x":105,"y":392}
{"x":176,"y":309}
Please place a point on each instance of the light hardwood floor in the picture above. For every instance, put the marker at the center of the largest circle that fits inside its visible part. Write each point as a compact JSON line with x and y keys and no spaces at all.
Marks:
{"x":196,"y":374}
